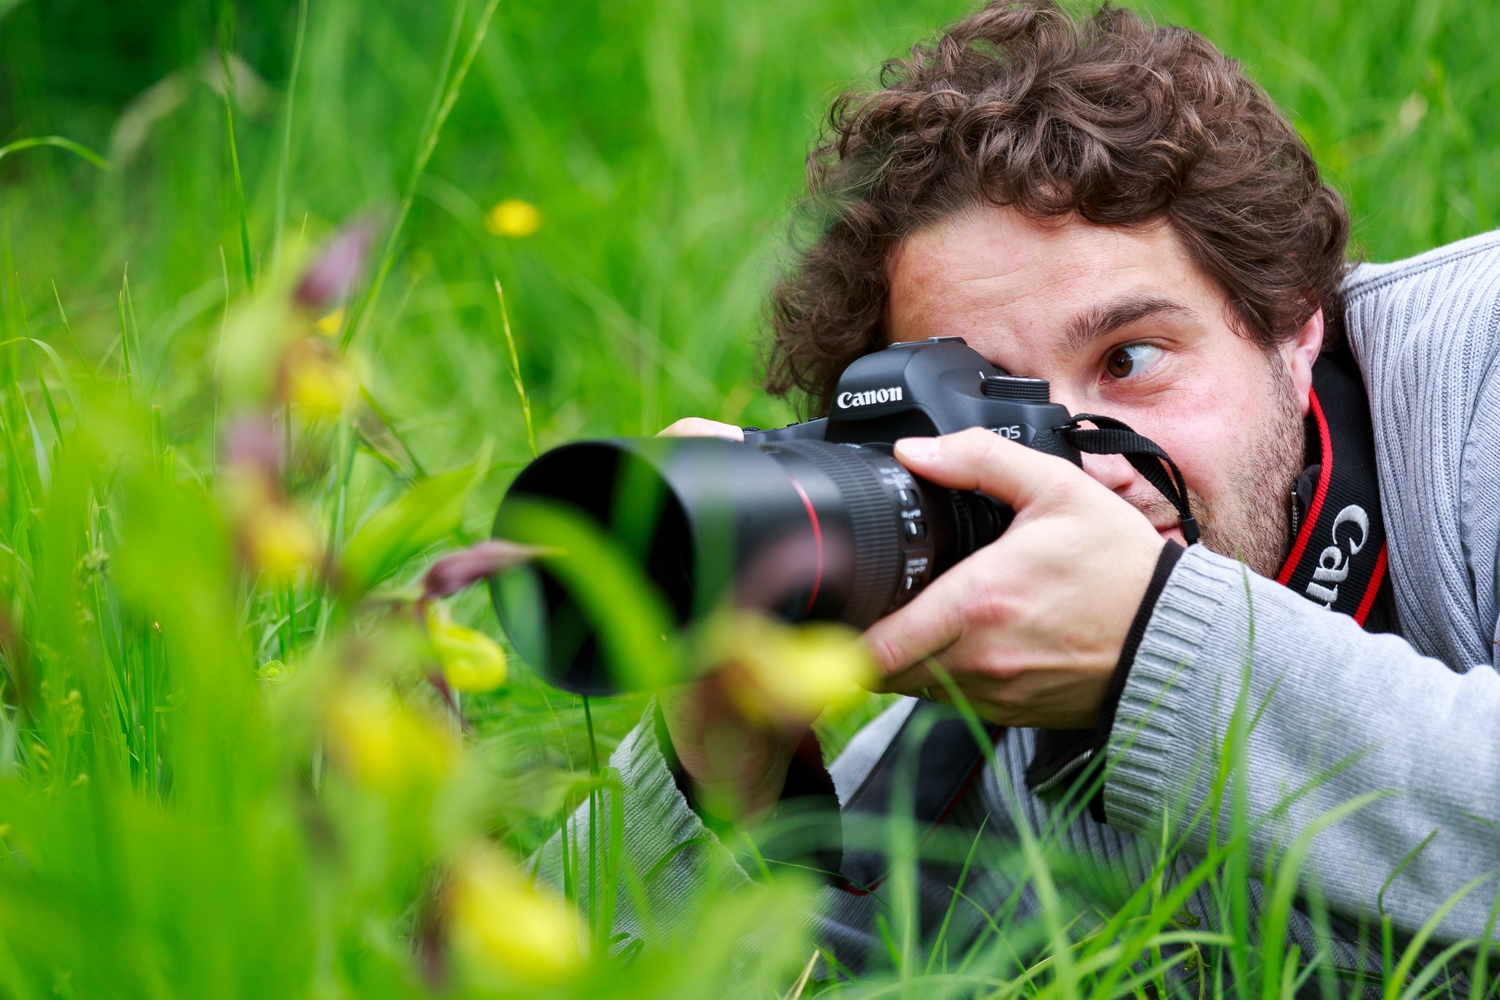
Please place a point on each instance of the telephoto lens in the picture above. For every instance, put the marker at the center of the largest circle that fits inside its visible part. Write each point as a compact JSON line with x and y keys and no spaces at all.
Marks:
{"x":803,"y":529}
{"x":815,"y":521}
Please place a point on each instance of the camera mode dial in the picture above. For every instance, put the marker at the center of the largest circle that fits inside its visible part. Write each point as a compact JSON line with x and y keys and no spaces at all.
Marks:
{"x":1024,"y":390}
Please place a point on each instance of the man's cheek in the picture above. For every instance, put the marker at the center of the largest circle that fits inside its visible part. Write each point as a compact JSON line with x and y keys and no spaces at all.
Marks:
{"x":1207,"y":449}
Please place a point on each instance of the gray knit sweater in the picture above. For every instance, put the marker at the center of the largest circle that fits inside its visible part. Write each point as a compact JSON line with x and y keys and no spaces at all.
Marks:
{"x":1414,"y":715}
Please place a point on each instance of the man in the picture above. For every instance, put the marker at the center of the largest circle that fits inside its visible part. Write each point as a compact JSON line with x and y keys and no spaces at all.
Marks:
{"x":1115,"y":208}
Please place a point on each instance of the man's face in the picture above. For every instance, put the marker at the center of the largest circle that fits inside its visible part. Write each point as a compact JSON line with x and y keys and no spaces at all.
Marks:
{"x":1123,"y":324}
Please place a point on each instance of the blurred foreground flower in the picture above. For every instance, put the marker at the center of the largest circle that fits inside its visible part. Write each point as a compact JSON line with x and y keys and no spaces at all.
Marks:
{"x":471,"y":660}
{"x":334,"y":272}
{"x":513,"y":217}
{"x":330,"y":325}
{"x":780,"y":671}
{"x":383,"y":743}
{"x":265,"y":354}
{"x":316,"y":379}
{"x":458,"y":570}
{"x":276,"y":539}
{"x":502,"y":925}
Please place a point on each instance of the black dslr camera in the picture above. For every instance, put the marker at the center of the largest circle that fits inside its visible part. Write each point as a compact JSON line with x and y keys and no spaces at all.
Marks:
{"x":812,"y":521}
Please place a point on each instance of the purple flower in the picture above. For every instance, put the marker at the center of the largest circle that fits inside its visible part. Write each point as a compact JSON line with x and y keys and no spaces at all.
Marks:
{"x":329,"y":278}
{"x":254,"y":444}
{"x":453,"y":573}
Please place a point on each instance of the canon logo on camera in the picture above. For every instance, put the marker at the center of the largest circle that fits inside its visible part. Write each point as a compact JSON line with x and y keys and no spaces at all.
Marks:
{"x":849,"y":400}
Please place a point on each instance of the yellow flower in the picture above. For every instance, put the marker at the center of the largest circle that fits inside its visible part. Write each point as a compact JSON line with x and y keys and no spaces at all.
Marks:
{"x":278,"y":540}
{"x":513,"y":217}
{"x":317,"y":380}
{"x":330,"y":325}
{"x":786,"y":670}
{"x":471,"y":660}
{"x":504,"y":926}
{"x":383,"y":743}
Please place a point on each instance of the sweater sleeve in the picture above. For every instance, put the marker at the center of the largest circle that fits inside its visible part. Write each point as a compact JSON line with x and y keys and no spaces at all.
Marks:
{"x":1338,"y":713}
{"x":667,"y":856}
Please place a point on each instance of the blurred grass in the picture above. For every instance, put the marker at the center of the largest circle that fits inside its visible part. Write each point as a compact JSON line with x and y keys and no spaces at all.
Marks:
{"x":662,"y":144}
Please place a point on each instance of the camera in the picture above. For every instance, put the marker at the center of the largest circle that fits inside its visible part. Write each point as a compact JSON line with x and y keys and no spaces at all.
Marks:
{"x":812,"y":521}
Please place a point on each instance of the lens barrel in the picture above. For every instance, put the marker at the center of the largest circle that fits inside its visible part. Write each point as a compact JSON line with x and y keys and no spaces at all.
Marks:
{"x":804,"y":529}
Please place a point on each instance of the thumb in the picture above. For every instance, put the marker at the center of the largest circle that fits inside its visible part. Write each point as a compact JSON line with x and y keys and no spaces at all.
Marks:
{"x":977,"y":459}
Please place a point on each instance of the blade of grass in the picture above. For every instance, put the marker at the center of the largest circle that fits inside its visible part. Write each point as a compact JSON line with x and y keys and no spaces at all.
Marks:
{"x":38,"y":450}
{"x":1045,"y":887}
{"x":515,"y":368}
{"x":1277,"y":916}
{"x":1403,"y":970}
{"x":213,"y":430}
{"x":41,"y":382}
{"x":135,"y":325}
{"x":69,"y":329}
{"x":62,"y":375}
{"x":125,"y":344}
{"x":958,"y":886}
{"x":354,"y":331}
{"x":390,"y":425}
{"x":284,"y":168}
{"x":1479,"y":980}
{"x":600,"y":932}
{"x":226,"y":29}
{"x":59,"y":142}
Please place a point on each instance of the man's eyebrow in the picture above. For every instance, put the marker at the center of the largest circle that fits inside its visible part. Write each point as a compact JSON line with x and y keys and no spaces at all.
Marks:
{"x":1106,"y":319}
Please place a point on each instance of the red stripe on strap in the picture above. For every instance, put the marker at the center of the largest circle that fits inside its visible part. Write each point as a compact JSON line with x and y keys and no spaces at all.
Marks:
{"x":1316,"y":507}
{"x":817,"y":530}
{"x":1368,"y":601}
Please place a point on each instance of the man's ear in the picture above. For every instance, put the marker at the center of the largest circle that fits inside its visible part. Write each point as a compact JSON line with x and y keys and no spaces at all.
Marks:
{"x":1299,"y":353}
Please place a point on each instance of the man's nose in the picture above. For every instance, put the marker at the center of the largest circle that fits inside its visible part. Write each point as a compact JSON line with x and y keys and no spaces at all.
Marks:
{"x":1114,"y":471}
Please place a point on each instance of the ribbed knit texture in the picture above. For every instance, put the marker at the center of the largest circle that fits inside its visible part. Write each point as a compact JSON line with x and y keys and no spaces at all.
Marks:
{"x":1426,"y":333}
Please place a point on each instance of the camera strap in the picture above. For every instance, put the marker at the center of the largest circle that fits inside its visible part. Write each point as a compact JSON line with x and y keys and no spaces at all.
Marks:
{"x":1338,"y":555}
{"x":1114,"y":437}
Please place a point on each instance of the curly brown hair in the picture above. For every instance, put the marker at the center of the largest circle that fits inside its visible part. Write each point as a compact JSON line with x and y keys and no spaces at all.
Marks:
{"x":1022,"y":105}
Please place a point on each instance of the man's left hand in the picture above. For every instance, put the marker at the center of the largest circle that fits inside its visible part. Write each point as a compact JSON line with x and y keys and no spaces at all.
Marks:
{"x":1030,"y":627}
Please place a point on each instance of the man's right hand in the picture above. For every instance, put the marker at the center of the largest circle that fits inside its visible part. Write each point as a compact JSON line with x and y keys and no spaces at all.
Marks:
{"x":737,"y":765}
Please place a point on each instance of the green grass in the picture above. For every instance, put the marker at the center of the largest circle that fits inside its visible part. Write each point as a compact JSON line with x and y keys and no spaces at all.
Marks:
{"x":176,"y":816}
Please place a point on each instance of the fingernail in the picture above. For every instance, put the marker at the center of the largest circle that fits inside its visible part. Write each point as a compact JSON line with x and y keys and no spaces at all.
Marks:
{"x":917,"y":449}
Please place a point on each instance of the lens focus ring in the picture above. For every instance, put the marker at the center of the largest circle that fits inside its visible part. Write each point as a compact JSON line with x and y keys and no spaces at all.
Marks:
{"x":872,"y":516}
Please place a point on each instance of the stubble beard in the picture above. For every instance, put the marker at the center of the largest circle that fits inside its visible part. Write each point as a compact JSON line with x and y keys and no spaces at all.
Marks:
{"x":1251,"y":519}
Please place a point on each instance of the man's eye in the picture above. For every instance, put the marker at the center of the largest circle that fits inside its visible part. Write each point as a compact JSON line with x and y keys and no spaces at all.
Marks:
{"x":1132,"y":359}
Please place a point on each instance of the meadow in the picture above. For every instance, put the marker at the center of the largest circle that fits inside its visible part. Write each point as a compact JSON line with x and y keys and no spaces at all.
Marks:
{"x":233,"y":457}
